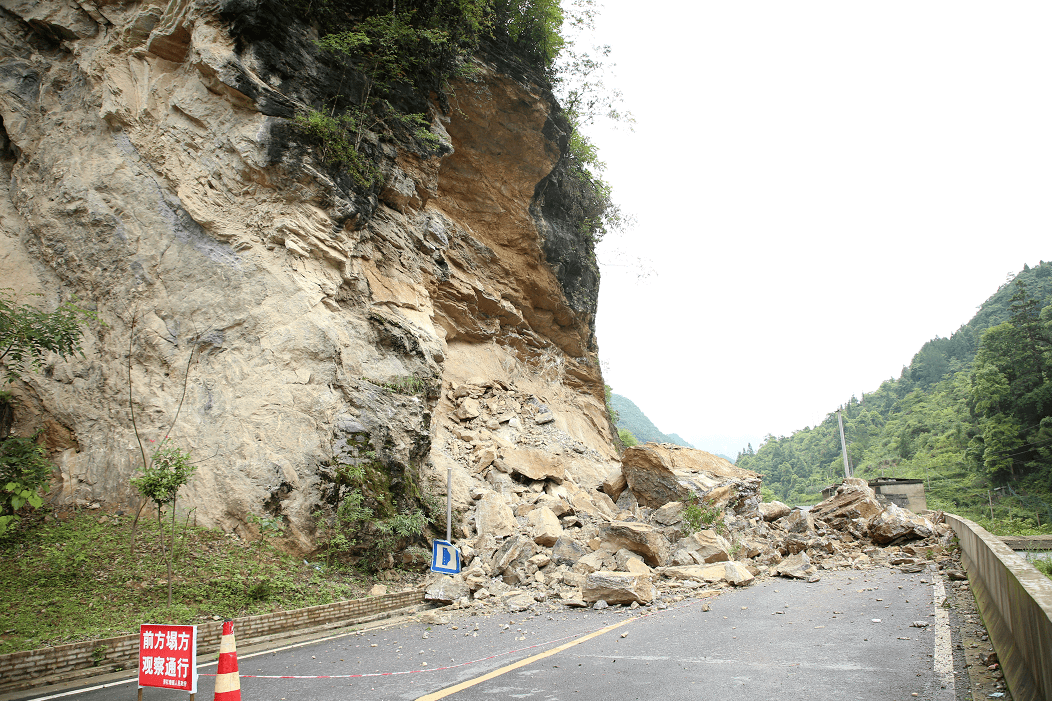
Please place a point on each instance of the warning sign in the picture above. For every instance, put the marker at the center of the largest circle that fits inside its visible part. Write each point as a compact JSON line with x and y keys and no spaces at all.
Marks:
{"x":168,"y":657}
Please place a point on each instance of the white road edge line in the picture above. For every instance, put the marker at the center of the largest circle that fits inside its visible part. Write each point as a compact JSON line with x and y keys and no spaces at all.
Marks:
{"x":945,"y":688}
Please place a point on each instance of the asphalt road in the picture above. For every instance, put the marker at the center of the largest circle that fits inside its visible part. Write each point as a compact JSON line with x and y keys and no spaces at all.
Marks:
{"x":848,"y":636}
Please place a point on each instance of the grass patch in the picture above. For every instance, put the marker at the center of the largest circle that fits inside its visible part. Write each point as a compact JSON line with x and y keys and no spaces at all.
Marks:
{"x":75,"y":579}
{"x":1043,"y":566}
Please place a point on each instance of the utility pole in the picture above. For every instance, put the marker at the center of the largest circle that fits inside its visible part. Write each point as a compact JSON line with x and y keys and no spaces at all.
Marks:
{"x":843,"y":443}
{"x":990,"y":497}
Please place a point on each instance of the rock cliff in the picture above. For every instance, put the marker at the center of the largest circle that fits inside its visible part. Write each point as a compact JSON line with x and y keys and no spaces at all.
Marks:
{"x":441,"y":319}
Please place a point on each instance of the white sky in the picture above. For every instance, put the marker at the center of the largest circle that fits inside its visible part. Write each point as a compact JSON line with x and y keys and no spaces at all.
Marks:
{"x":820,"y":188}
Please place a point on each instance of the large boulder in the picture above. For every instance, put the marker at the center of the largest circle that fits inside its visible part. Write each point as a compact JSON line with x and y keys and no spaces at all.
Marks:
{"x":544,"y":526}
{"x":614,"y":485}
{"x":637,"y":537}
{"x":447,"y":589}
{"x":796,"y":566}
{"x":731,"y":572}
{"x":567,"y":551}
{"x":853,"y":500}
{"x":536,"y":465}
{"x":797,"y":521}
{"x":514,"y":548}
{"x":896,"y":523}
{"x":772,"y":511}
{"x":619,"y":588}
{"x":660,"y":473}
{"x":703,"y":547}
{"x":494,"y":517}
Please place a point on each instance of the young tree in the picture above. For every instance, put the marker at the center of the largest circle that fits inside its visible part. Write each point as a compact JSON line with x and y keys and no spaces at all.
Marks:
{"x":169,"y":470}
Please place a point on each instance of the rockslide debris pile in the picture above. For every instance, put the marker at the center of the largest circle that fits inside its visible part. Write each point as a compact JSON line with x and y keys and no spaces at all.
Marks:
{"x":672,"y":521}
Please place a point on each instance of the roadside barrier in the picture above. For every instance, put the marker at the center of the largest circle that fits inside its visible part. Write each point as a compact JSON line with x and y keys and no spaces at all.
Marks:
{"x":228,"y":683}
{"x":1015,"y":601}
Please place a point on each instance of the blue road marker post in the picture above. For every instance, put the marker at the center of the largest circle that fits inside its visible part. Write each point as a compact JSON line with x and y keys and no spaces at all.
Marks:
{"x":445,"y":558}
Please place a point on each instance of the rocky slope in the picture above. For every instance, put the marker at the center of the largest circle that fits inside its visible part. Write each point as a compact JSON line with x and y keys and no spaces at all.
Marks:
{"x":673,"y":522}
{"x":443,"y":320}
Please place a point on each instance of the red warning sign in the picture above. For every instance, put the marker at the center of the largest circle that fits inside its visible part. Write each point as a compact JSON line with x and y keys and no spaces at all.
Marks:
{"x":168,"y":657}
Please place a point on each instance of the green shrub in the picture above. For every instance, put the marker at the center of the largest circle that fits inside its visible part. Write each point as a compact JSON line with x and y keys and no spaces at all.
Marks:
{"x":627,"y":438}
{"x":24,"y":471}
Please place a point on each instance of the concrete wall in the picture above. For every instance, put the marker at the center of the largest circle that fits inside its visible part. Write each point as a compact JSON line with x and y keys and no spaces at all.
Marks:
{"x":909,"y":494}
{"x":1015,"y":601}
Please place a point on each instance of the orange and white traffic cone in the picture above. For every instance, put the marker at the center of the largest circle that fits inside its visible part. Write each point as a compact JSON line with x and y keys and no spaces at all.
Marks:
{"x":228,"y":683}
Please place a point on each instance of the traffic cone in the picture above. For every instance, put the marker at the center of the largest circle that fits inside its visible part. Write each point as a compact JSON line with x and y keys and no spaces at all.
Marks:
{"x":228,"y":683}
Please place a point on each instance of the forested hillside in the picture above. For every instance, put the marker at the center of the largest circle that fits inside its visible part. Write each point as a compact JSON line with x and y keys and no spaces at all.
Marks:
{"x":631,"y":418}
{"x":971,"y":413}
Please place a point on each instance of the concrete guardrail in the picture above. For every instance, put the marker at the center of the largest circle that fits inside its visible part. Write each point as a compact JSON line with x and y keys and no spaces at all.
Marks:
{"x":1015,"y":601}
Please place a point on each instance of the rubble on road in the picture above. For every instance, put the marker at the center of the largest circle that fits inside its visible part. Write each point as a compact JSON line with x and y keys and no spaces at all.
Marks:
{"x":670,"y":522}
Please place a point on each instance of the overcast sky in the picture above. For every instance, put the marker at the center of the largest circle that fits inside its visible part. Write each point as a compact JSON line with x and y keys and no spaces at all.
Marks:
{"x":820,"y":188}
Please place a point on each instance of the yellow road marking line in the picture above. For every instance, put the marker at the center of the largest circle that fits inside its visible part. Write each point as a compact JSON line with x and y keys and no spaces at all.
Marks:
{"x":521,"y":663}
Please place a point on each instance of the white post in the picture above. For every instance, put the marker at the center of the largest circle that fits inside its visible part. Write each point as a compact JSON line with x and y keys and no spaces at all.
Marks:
{"x":843,"y":444}
{"x":449,"y":504}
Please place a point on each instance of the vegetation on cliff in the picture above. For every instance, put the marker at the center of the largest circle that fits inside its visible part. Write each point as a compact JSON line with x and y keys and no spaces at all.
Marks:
{"x":396,"y":61}
{"x":971,"y":415}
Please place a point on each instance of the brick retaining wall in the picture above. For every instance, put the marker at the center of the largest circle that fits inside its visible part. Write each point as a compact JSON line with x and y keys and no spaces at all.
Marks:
{"x":18,"y":668}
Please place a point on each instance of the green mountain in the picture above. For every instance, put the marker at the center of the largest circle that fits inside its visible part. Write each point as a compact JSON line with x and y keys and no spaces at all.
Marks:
{"x":632,"y":418}
{"x":971,"y":414}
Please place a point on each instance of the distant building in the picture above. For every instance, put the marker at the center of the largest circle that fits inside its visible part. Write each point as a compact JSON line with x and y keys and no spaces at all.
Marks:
{"x":906,"y":493}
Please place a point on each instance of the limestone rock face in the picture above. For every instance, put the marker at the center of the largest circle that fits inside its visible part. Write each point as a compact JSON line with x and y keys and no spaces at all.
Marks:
{"x":151,"y":167}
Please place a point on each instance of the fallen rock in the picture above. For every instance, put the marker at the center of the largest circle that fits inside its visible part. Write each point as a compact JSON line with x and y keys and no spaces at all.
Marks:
{"x":615,"y":485}
{"x":639,"y":538}
{"x":669,"y":514}
{"x":536,"y":465}
{"x":797,"y":566}
{"x":434,"y":618}
{"x":494,"y":517}
{"x":896,"y":523}
{"x":544,"y":526}
{"x":567,"y":551}
{"x":732,"y":572}
{"x":619,"y":588}
{"x":704,"y":547}
{"x":853,"y":500}
{"x":772,"y":511}
{"x":660,"y":473}
{"x":797,"y":521}
{"x":468,"y":409}
{"x":519,"y":602}
{"x":447,"y":589}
